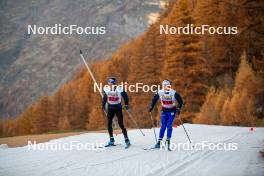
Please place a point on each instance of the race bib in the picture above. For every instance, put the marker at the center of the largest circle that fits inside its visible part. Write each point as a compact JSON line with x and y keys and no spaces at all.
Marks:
{"x":167,"y":102}
{"x":113,"y":99}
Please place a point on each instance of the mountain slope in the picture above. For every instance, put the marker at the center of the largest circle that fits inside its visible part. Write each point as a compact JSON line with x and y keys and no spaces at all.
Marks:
{"x":190,"y":61}
{"x":32,"y":65}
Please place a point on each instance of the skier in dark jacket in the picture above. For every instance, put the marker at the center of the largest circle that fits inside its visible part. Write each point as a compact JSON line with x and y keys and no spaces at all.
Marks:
{"x":169,"y":99}
{"x":112,"y":102}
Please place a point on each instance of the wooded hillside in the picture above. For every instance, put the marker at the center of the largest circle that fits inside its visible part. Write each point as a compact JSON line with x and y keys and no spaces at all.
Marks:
{"x":199,"y":66}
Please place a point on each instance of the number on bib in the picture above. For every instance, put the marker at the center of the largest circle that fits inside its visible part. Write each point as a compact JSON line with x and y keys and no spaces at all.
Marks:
{"x":113,"y":98}
{"x":167,"y":102}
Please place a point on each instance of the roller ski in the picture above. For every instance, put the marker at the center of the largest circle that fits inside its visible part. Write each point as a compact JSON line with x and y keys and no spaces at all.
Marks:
{"x":127,"y":144}
{"x":111,"y":143}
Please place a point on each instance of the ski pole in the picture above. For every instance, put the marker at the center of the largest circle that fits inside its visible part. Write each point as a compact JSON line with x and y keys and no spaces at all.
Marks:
{"x":134,"y":121}
{"x":185,"y":131}
{"x":94,"y":80}
{"x":153,"y":126}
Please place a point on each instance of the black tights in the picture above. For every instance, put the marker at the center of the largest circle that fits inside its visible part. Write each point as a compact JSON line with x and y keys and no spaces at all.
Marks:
{"x":110,"y":115}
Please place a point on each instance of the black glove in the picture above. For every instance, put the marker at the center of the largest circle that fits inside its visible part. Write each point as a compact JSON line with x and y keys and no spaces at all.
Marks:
{"x":178,"y":111}
{"x":150,"y":108}
{"x":126,"y":107}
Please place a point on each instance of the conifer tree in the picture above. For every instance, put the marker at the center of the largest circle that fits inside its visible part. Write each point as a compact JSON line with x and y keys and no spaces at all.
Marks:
{"x":41,"y":116}
{"x":185,"y":64}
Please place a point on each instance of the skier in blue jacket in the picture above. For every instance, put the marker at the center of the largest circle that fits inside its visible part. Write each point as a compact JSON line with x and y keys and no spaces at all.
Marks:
{"x":169,"y":100}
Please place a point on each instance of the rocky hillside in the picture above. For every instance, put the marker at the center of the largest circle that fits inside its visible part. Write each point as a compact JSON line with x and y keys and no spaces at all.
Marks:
{"x":32,"y":65}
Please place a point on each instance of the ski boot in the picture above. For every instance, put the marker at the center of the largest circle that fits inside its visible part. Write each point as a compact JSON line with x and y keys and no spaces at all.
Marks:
{"x":168,"y":144}
{"x":127,"y":143}
{"x":157,"y":145}
{"x":111,"y":142}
